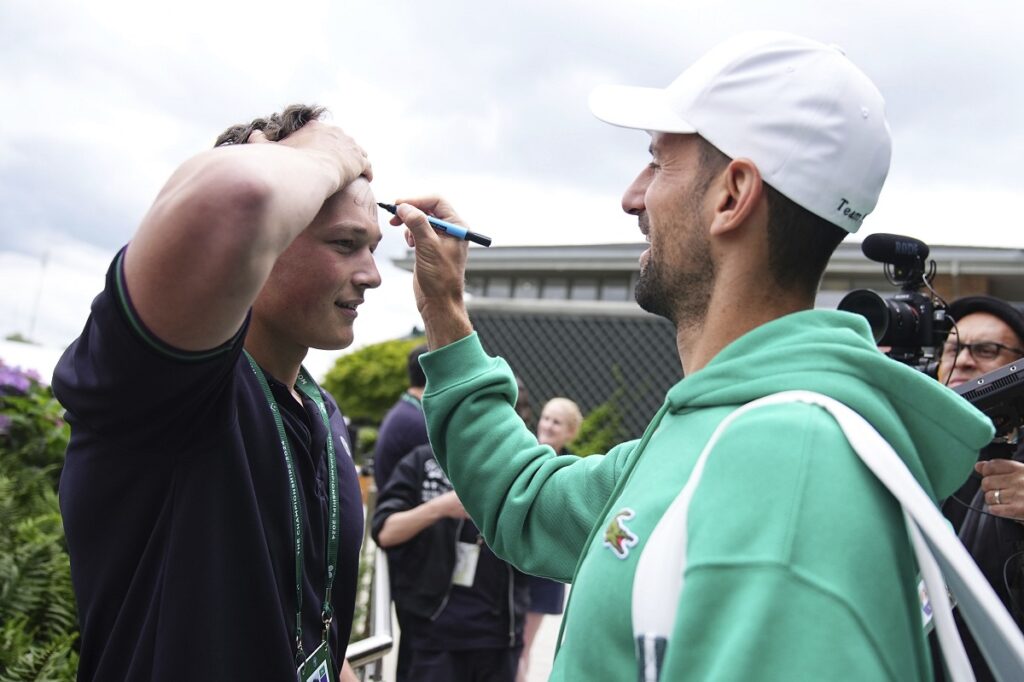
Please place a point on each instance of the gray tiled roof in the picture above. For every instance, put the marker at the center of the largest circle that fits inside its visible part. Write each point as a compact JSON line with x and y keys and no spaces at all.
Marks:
{"x":589,"y":350}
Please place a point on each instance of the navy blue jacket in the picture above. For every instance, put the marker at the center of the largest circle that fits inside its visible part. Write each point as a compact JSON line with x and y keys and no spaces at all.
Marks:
{"x":442,"y":615}
{"x":403,"y":429}
{"x":176,"y":507}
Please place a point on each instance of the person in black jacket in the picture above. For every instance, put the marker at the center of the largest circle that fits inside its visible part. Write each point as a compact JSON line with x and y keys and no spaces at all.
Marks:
{"x":209,"y":497}
{"x":463,"y":607}
{"x":403,"y":427}
{"x":987,"y":511}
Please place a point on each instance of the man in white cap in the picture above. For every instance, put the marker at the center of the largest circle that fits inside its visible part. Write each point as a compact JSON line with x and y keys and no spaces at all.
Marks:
{"x":790,"y":561}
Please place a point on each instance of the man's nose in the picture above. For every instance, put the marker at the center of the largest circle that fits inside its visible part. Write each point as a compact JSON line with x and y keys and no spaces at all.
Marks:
{"x":633,"y":198}
{"x":965,"y":358}
{"x":368,"y":276}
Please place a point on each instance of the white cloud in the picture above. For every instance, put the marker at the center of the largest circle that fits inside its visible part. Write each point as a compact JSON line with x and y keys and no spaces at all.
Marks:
{"x":948,"y":214}
{"x":104,"y":99}
{"x":46,"y":297}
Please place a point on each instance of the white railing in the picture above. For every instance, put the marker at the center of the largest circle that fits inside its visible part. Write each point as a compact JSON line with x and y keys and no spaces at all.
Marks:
{"x":366,"y":656}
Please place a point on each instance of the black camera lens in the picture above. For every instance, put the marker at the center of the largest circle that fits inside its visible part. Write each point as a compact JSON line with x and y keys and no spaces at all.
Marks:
{"x":893,"y":323}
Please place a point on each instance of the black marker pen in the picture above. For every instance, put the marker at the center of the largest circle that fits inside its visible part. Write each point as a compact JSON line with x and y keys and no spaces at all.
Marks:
{"x":448,"y":228}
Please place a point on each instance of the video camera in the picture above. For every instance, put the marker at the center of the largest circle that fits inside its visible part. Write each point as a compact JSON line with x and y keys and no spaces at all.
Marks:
{"x":1000,"y":395}
{"x":912,"y":324}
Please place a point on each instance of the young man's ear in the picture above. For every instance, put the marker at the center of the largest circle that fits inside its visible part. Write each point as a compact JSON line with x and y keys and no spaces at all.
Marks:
{"x":737,"y":193}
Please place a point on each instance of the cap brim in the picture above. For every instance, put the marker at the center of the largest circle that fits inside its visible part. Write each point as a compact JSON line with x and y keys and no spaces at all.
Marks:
{"x":640,"y":108}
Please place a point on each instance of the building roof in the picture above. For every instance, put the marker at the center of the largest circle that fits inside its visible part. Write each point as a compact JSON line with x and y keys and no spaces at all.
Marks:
{"x":961,"y":270}
{"x":565,"y":319}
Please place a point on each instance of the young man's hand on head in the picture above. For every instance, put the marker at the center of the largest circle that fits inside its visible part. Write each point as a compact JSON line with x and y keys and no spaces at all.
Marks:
{"x":337,"y":148}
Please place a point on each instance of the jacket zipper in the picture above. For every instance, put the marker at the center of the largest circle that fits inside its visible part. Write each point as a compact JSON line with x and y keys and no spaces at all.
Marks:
{"x":448,"y":592}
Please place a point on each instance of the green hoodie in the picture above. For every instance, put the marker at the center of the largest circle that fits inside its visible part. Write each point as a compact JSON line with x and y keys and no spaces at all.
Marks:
{"x":798,"y":562}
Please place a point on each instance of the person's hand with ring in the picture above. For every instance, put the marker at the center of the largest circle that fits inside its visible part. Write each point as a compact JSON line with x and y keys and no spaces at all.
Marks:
{"x":1003,"y":483}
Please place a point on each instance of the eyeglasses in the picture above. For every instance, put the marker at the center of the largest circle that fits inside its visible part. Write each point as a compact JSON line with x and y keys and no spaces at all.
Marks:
{"x":982,"y":350}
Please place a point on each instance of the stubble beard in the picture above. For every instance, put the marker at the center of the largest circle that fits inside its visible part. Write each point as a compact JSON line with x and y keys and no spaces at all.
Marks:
{"x":681,"y":297}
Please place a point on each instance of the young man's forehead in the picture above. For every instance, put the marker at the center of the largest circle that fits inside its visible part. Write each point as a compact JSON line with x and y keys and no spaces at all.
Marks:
{"x":353,"y":204}
{"x":361,"y":193}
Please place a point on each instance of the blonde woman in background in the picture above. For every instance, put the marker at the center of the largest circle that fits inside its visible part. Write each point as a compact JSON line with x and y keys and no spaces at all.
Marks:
{"x":558,"y":425}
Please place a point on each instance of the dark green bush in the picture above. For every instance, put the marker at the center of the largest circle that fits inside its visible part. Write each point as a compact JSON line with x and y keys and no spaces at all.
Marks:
{"x":367,"y":383}
{"x":601,"y":429}
{"x":38,"y":623}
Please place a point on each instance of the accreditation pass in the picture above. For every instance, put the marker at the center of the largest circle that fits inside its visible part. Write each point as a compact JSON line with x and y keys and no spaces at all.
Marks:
{"x":315,"y":668}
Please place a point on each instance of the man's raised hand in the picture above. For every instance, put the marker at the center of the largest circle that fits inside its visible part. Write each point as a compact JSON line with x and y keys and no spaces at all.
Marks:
{"x":440,"y":270}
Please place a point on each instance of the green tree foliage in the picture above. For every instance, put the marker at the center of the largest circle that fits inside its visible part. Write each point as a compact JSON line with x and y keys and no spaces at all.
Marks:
{"x":367,"y":383}
{"x":38,"y":623}
{"x":366,"y":440}
{"x":602,"y":428}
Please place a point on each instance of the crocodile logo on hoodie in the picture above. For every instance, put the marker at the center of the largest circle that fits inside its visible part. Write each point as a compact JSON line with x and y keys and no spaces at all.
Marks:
{"x":617,"y":536}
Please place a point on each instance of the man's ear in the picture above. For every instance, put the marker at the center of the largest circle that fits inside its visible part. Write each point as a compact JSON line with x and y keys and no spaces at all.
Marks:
{"x":737,"y":193}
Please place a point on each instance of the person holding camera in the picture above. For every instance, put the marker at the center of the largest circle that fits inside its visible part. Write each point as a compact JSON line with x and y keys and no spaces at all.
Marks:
{"x":209,"y":496}
{"x":988,"y":510}
{"x":789,"y":560}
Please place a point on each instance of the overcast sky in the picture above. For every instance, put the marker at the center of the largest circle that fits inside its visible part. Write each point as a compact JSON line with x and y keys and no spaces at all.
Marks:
{"x":482,"y":102}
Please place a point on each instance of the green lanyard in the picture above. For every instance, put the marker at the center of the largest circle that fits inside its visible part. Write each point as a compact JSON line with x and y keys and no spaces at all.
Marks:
{"x":306,"y":384}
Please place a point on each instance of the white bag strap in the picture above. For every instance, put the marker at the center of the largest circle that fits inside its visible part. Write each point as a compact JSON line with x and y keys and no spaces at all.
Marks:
{"x":939,"y":554}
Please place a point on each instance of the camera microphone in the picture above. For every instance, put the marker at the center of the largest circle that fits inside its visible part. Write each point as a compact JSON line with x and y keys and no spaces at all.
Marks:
{"x":894,"y":248}
{"x":912,"y":324}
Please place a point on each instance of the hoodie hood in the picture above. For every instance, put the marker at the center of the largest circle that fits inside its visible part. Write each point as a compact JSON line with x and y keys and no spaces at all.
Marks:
{"x":936,"y":432}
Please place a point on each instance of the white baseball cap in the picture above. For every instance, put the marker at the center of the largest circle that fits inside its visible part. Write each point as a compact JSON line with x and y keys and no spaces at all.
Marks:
{"x":811,"y":121}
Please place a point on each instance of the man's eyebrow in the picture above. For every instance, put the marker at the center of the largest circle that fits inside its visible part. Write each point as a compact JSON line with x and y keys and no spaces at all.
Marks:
{"x":356,"y":230}
{"x":350,"y":227}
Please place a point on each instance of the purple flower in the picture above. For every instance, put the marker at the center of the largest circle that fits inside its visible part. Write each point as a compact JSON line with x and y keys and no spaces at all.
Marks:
{"x":15,"y":382}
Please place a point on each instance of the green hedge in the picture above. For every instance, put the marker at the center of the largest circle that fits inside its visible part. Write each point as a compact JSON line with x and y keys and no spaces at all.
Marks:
{"x":601,"y":429}
{"x":367,"y":383}
{"x":38,"y":623}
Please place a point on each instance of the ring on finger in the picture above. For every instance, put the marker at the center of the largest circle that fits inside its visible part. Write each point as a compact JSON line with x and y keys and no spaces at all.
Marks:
{"x":998,"y":501}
